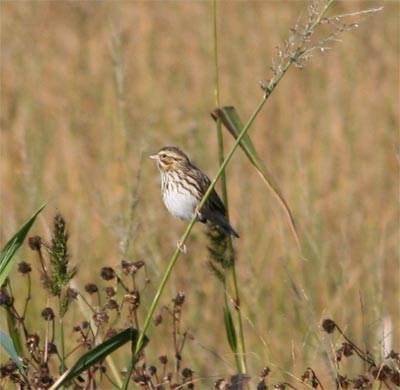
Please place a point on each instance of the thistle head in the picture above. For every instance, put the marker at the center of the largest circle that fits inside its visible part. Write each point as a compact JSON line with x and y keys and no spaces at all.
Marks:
{"x":170,"y":158}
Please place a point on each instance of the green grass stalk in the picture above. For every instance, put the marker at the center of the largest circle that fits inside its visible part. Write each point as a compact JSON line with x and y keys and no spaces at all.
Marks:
{"x":241,"y":357}
{"x":62,"y":338}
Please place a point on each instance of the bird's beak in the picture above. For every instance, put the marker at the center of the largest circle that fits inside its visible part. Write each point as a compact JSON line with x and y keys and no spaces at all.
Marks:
{"x":153,"y":156}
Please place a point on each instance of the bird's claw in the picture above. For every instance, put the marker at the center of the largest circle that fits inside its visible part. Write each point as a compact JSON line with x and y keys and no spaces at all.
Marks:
{"x":181,"y":246}
{"x":199,"y":215}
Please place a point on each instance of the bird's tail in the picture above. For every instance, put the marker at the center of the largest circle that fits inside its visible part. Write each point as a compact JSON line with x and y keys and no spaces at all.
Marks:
{"x":222,"y":221}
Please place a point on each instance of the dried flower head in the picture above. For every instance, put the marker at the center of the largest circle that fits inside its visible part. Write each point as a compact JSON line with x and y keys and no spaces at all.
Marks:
{"x":24,"y":267}
{"x":343,"y":382}
{"x":110,"y":291}
{"x":101,"y":318}
{"x":112,"y":304}
{"x":48,"y":314}
{"x":5,"y":299}
{"x":261,"y":385}
{"x":163,"y":359}
{"x":32,"y":342}
{"x":83,"y":325}
{"x":328,"y":325}
{"x":362,"y":382}
{"x":43,"y":381}
{"x":35,"y":243}
{"x":126,"y":266}
{"x":51,"y":348}
{"x":152,"y":370}
{"x":71,"y":293}
{"x":158,"y":319}
{"x":133,"y":298}
{"x":187,"y":373}
{"x":264,"y":373}
{"x":107,"y":273}
{"x":91,"y":288}
{"x":140,"y":378}
{"x":222,"y":384}
{"x":179,"y":299}
{"x":347,"y":349}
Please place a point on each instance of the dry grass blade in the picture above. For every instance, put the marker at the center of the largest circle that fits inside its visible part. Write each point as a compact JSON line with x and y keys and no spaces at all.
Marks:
{"x":230,"y":119}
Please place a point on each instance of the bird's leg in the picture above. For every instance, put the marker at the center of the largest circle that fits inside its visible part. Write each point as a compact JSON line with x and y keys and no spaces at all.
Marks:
{"x":200,"y":216}
{"x":181,"y":246}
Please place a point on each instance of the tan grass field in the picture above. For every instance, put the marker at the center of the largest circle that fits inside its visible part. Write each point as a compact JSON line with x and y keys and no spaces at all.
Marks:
{"x":329,"y":134}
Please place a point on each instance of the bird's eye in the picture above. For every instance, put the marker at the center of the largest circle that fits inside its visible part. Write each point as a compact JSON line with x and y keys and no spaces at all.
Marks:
{"x":163,"y":155}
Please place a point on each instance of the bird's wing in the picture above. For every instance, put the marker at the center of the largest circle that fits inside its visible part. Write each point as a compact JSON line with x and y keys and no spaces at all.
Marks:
{"x":214,"y":202}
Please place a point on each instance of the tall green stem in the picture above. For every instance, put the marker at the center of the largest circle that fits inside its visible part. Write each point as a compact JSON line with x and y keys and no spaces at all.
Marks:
{"x":62,"y":338}
{"x":218,"y":103}
{"x":231,"y":271}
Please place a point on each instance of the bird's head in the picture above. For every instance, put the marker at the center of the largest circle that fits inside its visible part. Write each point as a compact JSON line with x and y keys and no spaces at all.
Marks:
{"x":170,"y":158}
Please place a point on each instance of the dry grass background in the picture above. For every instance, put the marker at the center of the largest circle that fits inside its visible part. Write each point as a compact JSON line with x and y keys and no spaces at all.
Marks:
{"x":329,"y":134}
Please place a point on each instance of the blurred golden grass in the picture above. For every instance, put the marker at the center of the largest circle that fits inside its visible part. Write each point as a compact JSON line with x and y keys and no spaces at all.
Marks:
{"x":329,"y":134}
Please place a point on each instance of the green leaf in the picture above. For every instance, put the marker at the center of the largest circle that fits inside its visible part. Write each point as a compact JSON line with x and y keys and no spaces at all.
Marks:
{"x":230,"y":330}
{"x":14,"y":332}
{"x":7,"y":343}
{"x":231,"y":120}
{"x":99,"y":353}
{"x":8,"y":253}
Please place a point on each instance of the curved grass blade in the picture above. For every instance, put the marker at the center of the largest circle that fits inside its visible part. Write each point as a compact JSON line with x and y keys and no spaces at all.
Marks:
{"x":7,"y":343}
{"x":230,"y":330}
{"x":231,"y":120}
{"x":99,"y":353}
{"x":8,"y":253}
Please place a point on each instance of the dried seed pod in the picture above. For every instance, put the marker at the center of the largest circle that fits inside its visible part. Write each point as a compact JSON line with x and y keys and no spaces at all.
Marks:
{"x":24,"y":267}
{"x":179,"y":299}
{"x":163,"y":359}
{"x":35,"y":243}
{"x":187,"y":373}
{"x":112,"y":304}
{"x":328,"y":325}
{"x":51,"y":348}
{"x":107,"y":273}
{"x":48,"y":314}
{"x":72,"y":293}
{"x":91,"y":288}
{"x":110,"y":291}
{"x":152,"y":370}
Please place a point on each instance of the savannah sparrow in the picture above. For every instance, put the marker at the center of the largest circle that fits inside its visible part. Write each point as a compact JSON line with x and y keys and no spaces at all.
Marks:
{"x":182,"y":187}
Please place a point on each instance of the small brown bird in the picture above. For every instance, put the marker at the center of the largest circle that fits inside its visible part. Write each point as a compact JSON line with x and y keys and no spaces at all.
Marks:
{"x":183,"y":186}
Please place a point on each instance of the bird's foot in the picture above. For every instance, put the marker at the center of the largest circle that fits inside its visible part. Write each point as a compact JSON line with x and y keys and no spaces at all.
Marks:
{"x":197,"y":211}
{"x":181,"y":246}
{"x":200,"y":216}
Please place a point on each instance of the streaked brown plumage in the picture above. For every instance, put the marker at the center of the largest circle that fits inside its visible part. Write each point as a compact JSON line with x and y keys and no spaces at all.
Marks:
{"x":182,"y":187}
